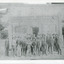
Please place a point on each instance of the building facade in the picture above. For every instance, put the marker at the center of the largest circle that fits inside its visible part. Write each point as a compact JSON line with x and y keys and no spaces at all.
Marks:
{"x":23,"y":17}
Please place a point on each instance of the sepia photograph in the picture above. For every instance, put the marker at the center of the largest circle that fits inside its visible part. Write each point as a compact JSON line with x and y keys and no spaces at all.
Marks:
{"x":31,"y":31}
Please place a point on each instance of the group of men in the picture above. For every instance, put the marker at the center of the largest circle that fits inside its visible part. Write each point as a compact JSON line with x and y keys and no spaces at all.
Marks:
{"x":40,"y":45}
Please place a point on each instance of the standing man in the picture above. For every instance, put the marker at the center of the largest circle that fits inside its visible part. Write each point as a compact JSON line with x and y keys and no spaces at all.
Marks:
{"x":7,"y":47}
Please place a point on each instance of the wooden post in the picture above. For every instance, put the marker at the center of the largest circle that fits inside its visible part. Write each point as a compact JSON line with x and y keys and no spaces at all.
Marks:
{"x":10,"y":36}
{"x":60,"y":31}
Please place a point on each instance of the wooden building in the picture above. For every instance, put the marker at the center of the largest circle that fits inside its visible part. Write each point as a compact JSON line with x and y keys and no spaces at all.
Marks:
{"x":23,"y":17}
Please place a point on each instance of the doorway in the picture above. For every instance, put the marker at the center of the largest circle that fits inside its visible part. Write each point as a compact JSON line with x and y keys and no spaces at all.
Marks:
{"x":35,"y":31}
{"x":63,"y":32}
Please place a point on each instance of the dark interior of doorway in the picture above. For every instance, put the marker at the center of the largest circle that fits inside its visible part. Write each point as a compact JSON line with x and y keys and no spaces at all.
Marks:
{"x":35,"y":31}
{"x":63,"y":32}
